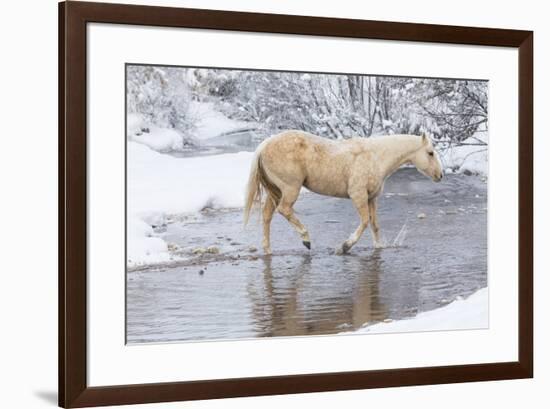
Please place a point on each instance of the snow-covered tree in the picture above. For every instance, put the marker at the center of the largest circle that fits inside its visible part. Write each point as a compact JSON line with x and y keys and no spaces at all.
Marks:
{"x":161,"y":96}
{"x":341,"y":106}
{"x":331,"y":105}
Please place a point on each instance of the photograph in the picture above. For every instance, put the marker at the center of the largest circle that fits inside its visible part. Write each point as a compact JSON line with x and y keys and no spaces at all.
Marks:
{"x":273,"y":204}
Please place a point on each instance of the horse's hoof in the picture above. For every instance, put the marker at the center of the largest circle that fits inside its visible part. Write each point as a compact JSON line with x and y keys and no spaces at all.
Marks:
{"x":343,"y":249}
{"x":307,"y":244}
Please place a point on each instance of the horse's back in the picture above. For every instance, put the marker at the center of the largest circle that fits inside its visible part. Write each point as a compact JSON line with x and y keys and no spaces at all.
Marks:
{"x":294,"y":141}
{"x":310,"y":160}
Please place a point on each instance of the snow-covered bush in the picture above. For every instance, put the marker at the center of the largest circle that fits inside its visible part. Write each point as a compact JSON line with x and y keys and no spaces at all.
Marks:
{"x":159,"y":97}
{"x":342,"y":106}
{"x":156,"y":138}
{"x":455,"y":109}
{"x":331,"y":105}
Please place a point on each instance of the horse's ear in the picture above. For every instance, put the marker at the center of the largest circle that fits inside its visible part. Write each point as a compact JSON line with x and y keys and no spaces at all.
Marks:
{"x":424,"y":138}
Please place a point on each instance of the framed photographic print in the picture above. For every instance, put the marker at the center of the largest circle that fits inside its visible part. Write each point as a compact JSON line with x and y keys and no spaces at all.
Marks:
{"x":255,"y":204}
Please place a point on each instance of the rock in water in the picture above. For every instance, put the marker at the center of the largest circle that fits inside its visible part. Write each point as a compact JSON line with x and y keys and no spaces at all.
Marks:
{"x":172,"y":247}
{"x":421,"y":215}
{"x":213,"y":250}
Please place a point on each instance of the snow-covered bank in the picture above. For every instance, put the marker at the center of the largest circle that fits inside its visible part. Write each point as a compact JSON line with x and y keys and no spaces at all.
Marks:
{"x":143,"y":246}
{"x":208,"y":123}
{"x":159,"y":184}
{"x":162,"y":183}
{"x":158,"y":139}
{"x":469,"y":313}
{"x":211,"y":122}
{"x":471,"y":157}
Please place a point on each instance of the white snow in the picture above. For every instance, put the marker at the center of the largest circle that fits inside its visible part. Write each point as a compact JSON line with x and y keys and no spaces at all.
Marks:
{"x":143,"y":246}
{"x":461,"y":314}
{"x":162,"y":183}
{"x":211,"y":122}
{"x":471,"y":158}
{"x":159,"y":184}
{"x":386,"y":123}
{"x":159,"y":139}
{"x":134,"y":122}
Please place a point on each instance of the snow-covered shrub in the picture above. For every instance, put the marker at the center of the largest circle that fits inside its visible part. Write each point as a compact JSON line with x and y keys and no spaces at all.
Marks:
{"x":160,"y":97}
{"x":342,"y":106}
{"x":331,"y":105}
{"x":455,"y":109}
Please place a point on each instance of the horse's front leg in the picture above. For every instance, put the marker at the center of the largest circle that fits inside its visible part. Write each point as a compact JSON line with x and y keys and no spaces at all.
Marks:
{"x":373,"y":206}
{"x":361,"y":203}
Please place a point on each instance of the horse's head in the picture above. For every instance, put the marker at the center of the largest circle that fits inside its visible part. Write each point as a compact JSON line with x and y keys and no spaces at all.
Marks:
{"x":426,"y":160}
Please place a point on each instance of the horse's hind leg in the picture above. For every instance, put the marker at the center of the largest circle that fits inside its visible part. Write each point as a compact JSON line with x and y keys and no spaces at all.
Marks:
{"x":289,"y":196}
{"x":361,"y":203}
{"x":267,"y":213}
{"x":374,"y":223}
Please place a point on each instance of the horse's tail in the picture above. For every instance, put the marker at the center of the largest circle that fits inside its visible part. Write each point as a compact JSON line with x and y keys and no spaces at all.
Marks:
{"x":258,"y":181}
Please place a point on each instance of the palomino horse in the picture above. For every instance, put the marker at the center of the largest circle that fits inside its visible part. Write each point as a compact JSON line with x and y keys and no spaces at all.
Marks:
{"x":355,"y":168}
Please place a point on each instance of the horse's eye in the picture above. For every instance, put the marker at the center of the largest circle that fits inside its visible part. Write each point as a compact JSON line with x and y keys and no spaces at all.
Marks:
{"x":431,"y":153}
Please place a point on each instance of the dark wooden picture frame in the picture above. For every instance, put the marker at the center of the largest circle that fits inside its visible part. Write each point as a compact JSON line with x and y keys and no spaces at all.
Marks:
{"x":73,"y":388}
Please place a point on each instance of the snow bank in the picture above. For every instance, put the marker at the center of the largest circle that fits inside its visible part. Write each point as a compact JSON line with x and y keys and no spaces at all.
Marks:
{"x":468,"y":158}
{"x":470,"y":313}
{"x":158,"y":139}
{"x":159,"y":184}
{"x":142,"y":245}
{"x":211,"y":123}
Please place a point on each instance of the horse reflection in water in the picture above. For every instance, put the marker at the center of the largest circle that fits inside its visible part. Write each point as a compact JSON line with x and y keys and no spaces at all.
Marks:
{"x":289,"y":301}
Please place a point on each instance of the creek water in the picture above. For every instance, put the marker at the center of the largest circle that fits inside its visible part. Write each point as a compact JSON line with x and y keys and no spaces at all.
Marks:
{"x":436,"y":235}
